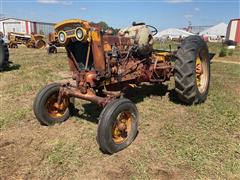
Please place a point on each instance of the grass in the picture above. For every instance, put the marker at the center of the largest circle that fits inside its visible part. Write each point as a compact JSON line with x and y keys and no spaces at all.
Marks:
{"x":174,"y":141}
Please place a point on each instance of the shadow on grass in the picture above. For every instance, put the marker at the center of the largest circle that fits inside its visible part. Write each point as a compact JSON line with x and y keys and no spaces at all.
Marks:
{"x":91,"y":111}
{"x":173,"y":97}
{"x":59,"y":52}
{"x":139,"y":94}
{"x":12,"y":68}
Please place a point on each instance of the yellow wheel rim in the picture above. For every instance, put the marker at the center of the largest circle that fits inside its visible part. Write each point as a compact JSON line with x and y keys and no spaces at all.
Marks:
{"x":54,"y":109}
{"x":122,"y":127}
{"x":201,"y":74}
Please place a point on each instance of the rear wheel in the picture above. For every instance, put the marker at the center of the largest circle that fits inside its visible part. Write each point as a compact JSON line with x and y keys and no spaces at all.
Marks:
{"x":39,"y":44}
{"x":117,"y":126}
{"x":46,"y":108}
{"x":4,"y":55}
{"x":192,"y":71}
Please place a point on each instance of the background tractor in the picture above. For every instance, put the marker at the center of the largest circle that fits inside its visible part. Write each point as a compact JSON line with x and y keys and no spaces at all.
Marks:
{"x":53,"y":43}
{"x":29,"y":40}
{"x":104,"y":66}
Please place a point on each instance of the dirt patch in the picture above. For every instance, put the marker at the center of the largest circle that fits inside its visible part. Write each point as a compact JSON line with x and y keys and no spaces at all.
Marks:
{"x":226,"y":61}
{"x":29,"y":150}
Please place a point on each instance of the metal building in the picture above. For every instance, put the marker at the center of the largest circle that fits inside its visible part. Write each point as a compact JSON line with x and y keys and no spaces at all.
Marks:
{"x":25,"y":26}
{"x":233,"y":31}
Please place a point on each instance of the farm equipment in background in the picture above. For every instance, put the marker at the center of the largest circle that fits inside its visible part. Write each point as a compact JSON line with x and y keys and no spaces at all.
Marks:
{"x":29,"y":40}
{"x":104,"y":66}
{"x":4,"y":55}
{"x":53,"y":43}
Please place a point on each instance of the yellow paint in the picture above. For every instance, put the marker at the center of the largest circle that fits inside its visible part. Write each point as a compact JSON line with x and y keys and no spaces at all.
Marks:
{"x":107,"y":47}
{"x":161,"y":56}
{"x":106,"y":82}
{"x":198,"y":77}
{"x":198,"y":61}
{"x":71,"y":21}
{"x":95,"y":36}
{"x":132,"y":85}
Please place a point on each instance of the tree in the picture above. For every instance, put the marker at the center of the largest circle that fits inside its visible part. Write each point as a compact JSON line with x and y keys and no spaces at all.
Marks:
{"x":105,"y":27}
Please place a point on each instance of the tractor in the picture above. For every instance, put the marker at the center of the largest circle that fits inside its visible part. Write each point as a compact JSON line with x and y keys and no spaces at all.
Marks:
{"x":104,"y":66}
{"x":4,"y":55}
{"x":53,"y":43}
{"x":29,"y":40}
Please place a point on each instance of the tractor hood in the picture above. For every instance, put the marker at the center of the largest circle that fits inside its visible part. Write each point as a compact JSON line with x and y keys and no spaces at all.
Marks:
{"x":71,"y":22}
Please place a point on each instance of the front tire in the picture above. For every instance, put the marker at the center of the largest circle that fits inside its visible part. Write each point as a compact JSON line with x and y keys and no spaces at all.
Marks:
{"x":52,"y":49}
{"x":45,"y":109}
{"x":117,"y":126}
{"x":192,"y":71}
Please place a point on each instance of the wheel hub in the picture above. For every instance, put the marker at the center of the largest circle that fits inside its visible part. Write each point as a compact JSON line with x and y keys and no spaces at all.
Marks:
{"x":201,"y":74}
{"x":122,"y":127}
{"x":54,"y":109}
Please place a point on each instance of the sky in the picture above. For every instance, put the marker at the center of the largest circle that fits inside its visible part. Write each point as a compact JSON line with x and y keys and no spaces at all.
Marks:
{"x":121,"y":13}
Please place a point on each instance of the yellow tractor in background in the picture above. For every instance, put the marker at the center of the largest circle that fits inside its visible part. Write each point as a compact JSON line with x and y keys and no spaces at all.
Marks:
{"x":29,"y":40}
{"x":53,"y":43}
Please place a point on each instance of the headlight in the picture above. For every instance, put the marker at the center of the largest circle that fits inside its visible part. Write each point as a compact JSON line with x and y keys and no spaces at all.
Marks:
{"x":80,"y":34}
{"x":61,"y":36}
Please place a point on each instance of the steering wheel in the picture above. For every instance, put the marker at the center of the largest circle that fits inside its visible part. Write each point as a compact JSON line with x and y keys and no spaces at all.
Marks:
{"x":154,"y":31}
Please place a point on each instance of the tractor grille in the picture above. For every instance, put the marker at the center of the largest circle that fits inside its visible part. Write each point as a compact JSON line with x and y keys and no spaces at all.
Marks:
{"x":70,"y":32}
{"x":79,"y":50}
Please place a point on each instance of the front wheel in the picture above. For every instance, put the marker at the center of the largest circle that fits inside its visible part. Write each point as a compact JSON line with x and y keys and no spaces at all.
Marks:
{"x":117,"y":125}
{"x":47,"y":110}
{"x":52,"y":50}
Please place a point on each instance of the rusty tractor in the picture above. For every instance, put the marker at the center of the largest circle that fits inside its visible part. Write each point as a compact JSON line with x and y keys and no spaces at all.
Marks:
{"x":53,"y":43}
{"x":104,"y":66}
{"x":4,"y":55}
{"x":29,"y":40}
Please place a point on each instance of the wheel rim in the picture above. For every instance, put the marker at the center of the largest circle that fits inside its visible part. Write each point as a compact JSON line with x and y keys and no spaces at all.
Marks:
{"x":201,"y":74}
{"x":54,"y":109}
{"x":122,"y":127}
{"x":40,"y":44}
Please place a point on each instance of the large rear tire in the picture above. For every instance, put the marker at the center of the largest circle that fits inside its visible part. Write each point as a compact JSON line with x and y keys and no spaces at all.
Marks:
{"x":192,"y":71}
{"x":4,"y":55}
{"x":40,"y":44}
{"x":117,"y":126}
{"x":45,"y":109}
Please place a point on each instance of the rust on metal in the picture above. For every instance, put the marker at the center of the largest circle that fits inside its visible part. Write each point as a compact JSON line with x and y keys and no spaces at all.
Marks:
{"x":105,"y":65}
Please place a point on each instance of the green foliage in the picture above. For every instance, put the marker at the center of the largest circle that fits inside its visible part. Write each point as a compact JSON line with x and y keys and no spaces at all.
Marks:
{"x":230,"y":52}
{"x":223,"y":52}
{"x":105,"y":27}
